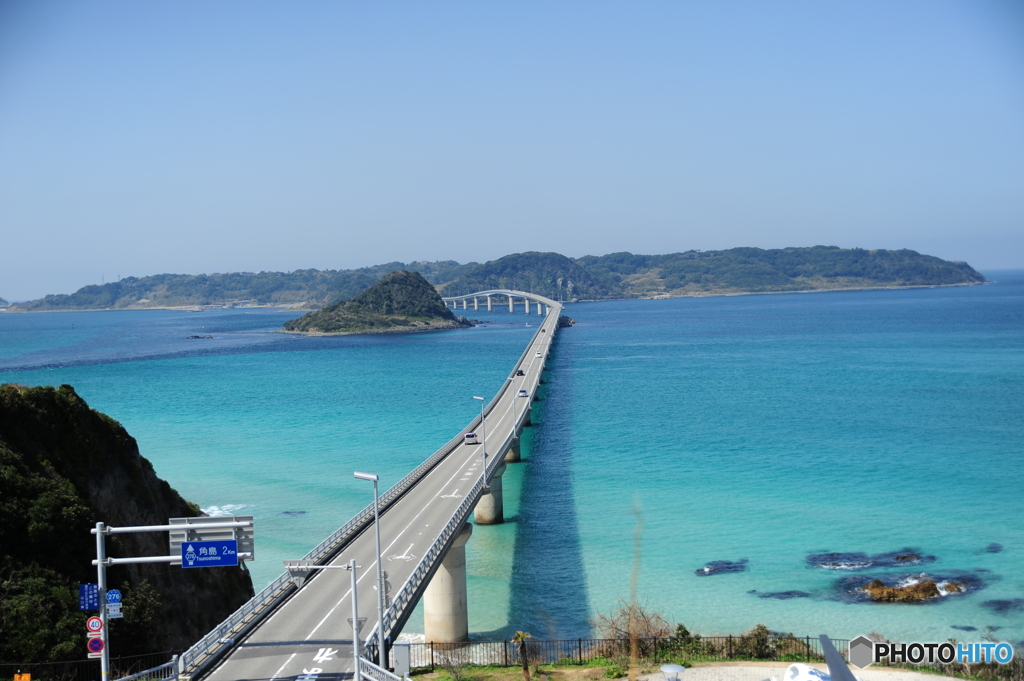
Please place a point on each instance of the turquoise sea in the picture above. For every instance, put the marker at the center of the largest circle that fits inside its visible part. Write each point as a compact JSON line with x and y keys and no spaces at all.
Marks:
{"x":758,"y":430}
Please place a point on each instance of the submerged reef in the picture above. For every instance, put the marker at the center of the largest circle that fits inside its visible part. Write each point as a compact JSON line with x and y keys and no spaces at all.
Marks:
{"x":863,"y":561}
{"x":779,"y":595}
{"x":721,"y":567}
{"x":1004,"y":606}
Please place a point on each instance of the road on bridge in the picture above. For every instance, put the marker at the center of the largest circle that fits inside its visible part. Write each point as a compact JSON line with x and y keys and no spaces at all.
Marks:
{"x":309,"y":633}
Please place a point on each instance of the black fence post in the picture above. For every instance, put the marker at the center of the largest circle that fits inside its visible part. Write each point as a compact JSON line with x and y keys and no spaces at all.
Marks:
{"x":808,"y":648}
{"x":729,"y":647}
{"x":579,"y":646}
{"x":431,"y":657}
{"x":506,"y":655}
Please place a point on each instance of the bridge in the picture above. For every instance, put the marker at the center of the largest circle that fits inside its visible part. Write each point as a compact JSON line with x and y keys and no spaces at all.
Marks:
{"x":290,"y":632}
{"x":526,"y":299}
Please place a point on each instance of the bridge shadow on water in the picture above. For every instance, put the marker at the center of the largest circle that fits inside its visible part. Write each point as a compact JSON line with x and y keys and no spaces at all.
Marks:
{"x":548,"y":592}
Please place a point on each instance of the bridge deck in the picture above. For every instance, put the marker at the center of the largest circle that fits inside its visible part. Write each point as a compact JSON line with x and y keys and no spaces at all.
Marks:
{"x":291,"y":641}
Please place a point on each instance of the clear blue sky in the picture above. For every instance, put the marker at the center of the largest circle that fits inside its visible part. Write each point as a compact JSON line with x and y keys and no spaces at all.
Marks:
{"x":146,"y":137}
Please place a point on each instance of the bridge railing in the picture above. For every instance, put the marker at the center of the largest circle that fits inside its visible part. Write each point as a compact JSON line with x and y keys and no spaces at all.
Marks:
{"x":210,"y":647}
{"x":206,"y":650}
{"x":409,"y":593}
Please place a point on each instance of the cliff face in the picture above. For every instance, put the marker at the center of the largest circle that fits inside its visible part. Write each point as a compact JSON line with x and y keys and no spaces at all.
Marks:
{"x":64,"y":467}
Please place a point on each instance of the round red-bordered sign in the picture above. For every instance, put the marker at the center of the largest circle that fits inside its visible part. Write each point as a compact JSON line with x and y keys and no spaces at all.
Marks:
{"x":94,"y":624}
{"x":95,"y":645}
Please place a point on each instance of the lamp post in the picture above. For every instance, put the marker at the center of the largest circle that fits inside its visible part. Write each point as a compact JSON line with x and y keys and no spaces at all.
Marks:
{"x":380,"y":569}
{"x":483,"y":439}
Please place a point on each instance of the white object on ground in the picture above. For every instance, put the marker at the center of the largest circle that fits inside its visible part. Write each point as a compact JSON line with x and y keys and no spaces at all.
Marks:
{"x":802,"y":672}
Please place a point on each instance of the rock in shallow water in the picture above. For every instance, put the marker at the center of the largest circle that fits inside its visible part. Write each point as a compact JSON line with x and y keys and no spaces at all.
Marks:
{"x":921,"y":588}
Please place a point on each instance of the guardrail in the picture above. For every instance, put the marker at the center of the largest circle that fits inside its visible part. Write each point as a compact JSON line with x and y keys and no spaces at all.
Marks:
{"x":209,"y":648}
{"x":168,"y":670}
{"x":371,"y":671}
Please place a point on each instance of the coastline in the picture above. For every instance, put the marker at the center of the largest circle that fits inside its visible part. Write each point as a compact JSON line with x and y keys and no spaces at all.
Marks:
{"x":299,"y":306}
{"x":178,"y":308}
{"x":419,"y":328}
{"x":723,"y":294}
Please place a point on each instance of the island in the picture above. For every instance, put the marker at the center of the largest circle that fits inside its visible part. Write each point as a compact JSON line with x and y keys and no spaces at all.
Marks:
{"x":615,"y":276}
{"x":401,"y":302}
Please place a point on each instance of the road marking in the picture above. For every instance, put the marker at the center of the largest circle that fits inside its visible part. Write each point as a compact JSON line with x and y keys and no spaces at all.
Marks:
{"x":277,"y":674}
{"x":453,"y":495}
{"x":405,"y":556}
{"x":324,"y":655}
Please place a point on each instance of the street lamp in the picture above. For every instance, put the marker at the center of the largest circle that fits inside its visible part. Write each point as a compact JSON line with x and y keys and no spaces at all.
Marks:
{"x":380,"y":570}
{"x":483,"y":439}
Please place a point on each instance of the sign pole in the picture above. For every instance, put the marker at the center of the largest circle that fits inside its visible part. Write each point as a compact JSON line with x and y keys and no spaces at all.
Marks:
{"x":355,"y":621}
{"x":101,"y":580}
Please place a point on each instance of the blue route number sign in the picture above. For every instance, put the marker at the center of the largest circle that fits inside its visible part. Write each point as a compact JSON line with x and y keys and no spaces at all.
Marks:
{"x":113,"y":596}
{"x":195,"y":554}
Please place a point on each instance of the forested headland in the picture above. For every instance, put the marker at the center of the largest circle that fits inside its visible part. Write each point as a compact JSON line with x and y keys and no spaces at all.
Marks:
{"x":606,"y":277}
{"x":63,"y":468}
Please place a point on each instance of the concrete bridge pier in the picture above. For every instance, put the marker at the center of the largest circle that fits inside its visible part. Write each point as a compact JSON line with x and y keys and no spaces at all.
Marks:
{"x":514,"y":453}
{"x":463,"y":303}
{"x":510,"y":308}
{"x":538,"y":309}
{"x":476,"y":303}
{"x":445,"y":610}
{"x":526,"y":305}
{"x":490,"y":510}
{"x":489,"y":304}
{"x":528,"y":421}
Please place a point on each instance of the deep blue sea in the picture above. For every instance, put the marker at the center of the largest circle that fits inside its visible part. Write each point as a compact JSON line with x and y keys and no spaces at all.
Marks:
{"x":760,"y":430}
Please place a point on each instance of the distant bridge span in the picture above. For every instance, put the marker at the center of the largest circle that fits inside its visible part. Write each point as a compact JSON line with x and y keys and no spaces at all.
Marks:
{"x":285,"y":631}
{"x":488,"y":297}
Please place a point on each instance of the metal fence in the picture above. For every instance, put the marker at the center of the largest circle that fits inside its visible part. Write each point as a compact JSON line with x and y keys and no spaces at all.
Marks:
{"x":168,"y":670}
{"x":84,"y":670}
{"x":613,"y":651}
